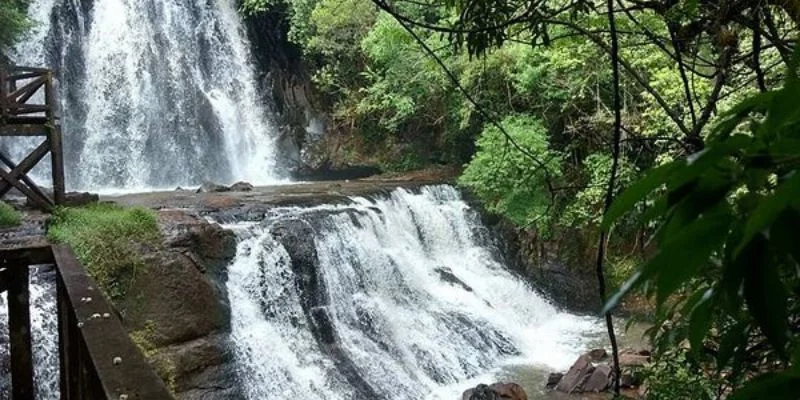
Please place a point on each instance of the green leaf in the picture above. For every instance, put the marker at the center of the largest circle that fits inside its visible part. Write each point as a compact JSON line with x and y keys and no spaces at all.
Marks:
{"x":765,"y":294}
{"x":637,"y":192}
{"x":682,"y":256}
{"x":678,"y":259}
{"x":700,"y":320}
{"x":772,"y":386}
{"x":769,"y":209}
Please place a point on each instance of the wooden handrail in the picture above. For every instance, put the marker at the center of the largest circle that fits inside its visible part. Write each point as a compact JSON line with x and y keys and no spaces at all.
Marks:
{"x":98,"y":360}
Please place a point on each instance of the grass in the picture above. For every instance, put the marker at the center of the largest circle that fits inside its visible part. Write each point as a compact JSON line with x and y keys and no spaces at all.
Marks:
{"x":9,"y":216}
{"x":108,"y":240}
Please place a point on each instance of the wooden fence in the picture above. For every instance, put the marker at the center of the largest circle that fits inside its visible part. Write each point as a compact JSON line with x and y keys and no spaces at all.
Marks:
{"x":98,"y":360}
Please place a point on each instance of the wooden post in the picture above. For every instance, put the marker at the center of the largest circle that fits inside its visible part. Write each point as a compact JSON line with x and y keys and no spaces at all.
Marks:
{"x":19,"y":329}
{"x":54,"y":136}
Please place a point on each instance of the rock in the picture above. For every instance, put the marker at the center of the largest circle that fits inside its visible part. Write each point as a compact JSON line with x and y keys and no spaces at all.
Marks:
{"x":578,"y":373}
{"x":599,"y":380}
{"x":176,"y":306}
{"x":241,"y":187}
{"x":597,"y":354}
{"x":632,"y":360}
{"x":553,"y":379}
{"x":629,"y":380}
{"x":510,"y":391}
{"x":211,"y":187}
{"x":76,"y":199}
{"x":495,"y":391}
{"x":446,"y":274}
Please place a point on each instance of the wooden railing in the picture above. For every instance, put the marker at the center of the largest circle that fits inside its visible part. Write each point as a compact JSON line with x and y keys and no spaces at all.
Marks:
{"x":23,"y":113}
{"x":98,"y":360}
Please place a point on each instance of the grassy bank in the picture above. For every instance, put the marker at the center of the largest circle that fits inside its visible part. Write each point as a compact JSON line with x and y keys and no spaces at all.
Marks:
{"x":9,"y":216}
{"x":108,"y":240}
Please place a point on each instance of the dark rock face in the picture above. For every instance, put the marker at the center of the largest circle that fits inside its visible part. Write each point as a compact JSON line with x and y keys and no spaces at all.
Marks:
{"x":326,"y":172}
{"x":495,"y":391}
{"x":177,"y":310}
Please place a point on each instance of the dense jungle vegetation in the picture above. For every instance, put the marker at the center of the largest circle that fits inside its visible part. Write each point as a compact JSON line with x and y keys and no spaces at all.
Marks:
{"x":687,"y":111}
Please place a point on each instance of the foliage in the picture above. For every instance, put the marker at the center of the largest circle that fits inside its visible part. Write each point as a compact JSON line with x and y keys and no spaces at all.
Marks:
{"x":675,"y":376}
{"x":506,"y":178}
{"x":9,"y":216}
{"x":725,"y":274}
{"x":108,"y":240}
{"x":13,"y":21}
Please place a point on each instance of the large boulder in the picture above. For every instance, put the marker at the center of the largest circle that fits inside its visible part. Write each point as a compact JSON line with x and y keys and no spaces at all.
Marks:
{"x":176,"y":307}
{"x":241,"y":187}
{"x":495,"y":391}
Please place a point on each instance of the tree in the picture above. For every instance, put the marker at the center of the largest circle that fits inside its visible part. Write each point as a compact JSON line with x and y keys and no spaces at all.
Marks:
{"x":13,"y":22}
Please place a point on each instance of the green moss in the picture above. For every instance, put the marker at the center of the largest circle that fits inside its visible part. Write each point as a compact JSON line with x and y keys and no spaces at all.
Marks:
{"x":164,"y":367}
{"x":9,"y":216}
{"x":108,"y":240}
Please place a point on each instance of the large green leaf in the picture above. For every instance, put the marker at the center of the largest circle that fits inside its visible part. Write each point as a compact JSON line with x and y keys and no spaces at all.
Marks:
{"x":637,"y":192}
{"x":771,"y":386}
{"x":682,"y":256}
{"x":700,"y":319}
{"x":769,"y":209}
{"x":765,"y":294}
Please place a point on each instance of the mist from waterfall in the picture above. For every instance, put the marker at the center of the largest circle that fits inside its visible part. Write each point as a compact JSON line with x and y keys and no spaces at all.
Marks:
{"x":418,"y":299}
{"x":153,"y":93}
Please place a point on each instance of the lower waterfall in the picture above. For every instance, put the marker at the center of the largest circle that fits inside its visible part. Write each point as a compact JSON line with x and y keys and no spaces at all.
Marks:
{"x":403,"y":297}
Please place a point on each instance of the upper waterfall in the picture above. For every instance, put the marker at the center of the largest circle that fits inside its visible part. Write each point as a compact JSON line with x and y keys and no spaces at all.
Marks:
{"x":154,"y":93}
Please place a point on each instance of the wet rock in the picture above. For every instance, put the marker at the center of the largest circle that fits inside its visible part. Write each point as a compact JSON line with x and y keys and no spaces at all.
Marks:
{"x":211,"y":187}
{"x":630,"y":359}
{"x":495,"y":391}
{"x":446,"y":274}
{"x":578,"y":373}
{"x":553,"y":379}
{"x":509,"y":391}
{"x":241,"y":187}
{"x":629,"y":380}
{"x":597,"y":354}
{"x":77,"y":199}
{"x":599,"y":380}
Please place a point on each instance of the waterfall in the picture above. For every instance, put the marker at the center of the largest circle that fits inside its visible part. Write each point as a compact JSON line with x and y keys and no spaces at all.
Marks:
{"x":402,"y":297}
{"x":153,"y":93}
{"x":44,"y":332}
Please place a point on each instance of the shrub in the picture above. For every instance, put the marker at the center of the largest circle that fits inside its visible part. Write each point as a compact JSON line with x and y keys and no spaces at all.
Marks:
{"x":9,"y":216}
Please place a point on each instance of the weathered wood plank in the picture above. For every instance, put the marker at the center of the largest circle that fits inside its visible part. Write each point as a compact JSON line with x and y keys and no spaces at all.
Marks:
{"x":120,"y":367}
{"x":19,"y":331}
{"x":21,"y":95}
{"x":23,"y":130}
{"x":20,"y":109}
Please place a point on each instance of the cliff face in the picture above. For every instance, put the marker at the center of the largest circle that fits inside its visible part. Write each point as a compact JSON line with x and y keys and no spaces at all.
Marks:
{"x":176,"y":309}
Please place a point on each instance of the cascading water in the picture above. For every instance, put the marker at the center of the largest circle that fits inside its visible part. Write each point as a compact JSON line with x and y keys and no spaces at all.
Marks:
{"x":396,"y":298}
{"x":44,"y":324}
{"x":154,"y":93}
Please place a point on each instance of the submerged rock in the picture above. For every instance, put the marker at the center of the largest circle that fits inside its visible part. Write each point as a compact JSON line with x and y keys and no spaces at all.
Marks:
{"x":241,"y":187}
{"x":495,"y":391}
{"x":211,"y":187}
